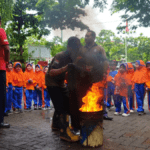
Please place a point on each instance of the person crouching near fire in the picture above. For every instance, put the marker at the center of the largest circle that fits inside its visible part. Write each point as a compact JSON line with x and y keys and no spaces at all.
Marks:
{"x":38,"y":87}
{"x":29,"y":85}
{"x":121,"y":90}
{"x":18,"y":84}
{"x":140,"y":77}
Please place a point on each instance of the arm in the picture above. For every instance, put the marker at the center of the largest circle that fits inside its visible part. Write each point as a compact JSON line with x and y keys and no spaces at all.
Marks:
{"x":7,"y":52}
{"x":55,"y":72}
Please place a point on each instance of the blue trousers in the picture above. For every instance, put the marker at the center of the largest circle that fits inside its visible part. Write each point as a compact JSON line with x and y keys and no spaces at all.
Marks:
{"x":139,"y":91}
{"x":29,"y":97}
{"x":149,"y":99}
{"x":17,"y":97}
{"x":130,"y":97}
{"x":105,"y":103}
{"x":37,"y":97}
{"x":110,"y":94}
{"x":119,"y":100}
{"x":9,"y":101}
{"x":46,"y":98}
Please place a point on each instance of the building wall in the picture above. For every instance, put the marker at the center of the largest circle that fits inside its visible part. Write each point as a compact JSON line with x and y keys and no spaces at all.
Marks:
{"x":40,"y":52}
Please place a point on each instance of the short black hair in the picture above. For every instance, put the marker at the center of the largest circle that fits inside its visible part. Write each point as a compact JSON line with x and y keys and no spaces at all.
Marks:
{"x":73,"y":42}
{"x":92,"y":33}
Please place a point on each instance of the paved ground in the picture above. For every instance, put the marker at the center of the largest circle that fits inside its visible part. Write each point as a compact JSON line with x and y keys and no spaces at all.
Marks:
{"x":31,"y":131}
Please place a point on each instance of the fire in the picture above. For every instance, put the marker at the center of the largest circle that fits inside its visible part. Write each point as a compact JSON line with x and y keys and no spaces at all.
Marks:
{"x":93,"y":98}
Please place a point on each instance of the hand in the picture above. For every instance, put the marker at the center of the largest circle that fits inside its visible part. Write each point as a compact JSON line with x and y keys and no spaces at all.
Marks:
{"x":31,"y":81}
{"x":37,"y":87}
{"x":24,"y":90}
{"x":113,"y":81}
{"x":13,"y":88}
{"x":65,"y":68}
{"x":146,"y":88}
{"x":6,"y":90}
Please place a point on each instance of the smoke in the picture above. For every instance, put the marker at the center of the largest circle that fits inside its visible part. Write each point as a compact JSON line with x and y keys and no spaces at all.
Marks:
{"x":97,"y":62}
{"x":91,"y":19}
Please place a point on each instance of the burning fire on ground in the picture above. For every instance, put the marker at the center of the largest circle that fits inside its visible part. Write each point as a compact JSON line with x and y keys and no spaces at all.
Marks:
{"x":93,"y":99}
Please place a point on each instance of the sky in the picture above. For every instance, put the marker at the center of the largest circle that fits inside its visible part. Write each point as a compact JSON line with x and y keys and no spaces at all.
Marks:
{"x":97,"y":21}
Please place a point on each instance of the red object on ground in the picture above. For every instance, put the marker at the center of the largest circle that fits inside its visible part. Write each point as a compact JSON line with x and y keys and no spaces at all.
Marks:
{"x":43,"y":63}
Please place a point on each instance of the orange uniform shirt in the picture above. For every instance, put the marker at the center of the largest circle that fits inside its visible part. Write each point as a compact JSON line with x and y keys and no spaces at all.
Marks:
{"x":39,"y":77}
{"x":121,"y":84}
{"x":17,"y":77}
{"x":29,"y":75}
{"x":140,"y":75}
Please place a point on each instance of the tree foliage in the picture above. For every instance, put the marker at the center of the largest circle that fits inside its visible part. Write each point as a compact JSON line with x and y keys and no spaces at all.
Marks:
{"x":138,"y":10}
{"x":6,"y":7}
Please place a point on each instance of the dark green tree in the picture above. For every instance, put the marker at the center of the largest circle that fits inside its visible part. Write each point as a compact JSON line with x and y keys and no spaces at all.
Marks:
{"x":6,"y":7}
{"x":135,"y":10}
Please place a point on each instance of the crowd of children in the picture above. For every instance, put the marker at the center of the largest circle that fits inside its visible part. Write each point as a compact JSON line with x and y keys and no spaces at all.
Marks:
{"x":28,"y":85}
{"x":128,"y":86}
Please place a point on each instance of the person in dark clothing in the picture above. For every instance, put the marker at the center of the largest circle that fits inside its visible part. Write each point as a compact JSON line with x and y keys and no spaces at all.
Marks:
{"x":4,"y":58}
{"x":58,"y":91}
{"x":91,"y":46}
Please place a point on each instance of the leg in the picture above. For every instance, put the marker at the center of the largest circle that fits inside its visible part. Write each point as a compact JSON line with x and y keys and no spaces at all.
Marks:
{"x":47,"y":98}
{"x":40,"y":98}
{"x":139,"y":97}
{"x":19,"y":97}
{"x":30,"y":98}
{"x":109,"y":97}
{"x":35,"y":97}
{"x":130,"y":97}
{"x":10,"y":94}
{"x":118,"y":103}
{"x":126,"y":105}
{"x":3,"y":98}
{"x":27,"y":98}
{"x":15,"y":97}
{"x":148,"y":100}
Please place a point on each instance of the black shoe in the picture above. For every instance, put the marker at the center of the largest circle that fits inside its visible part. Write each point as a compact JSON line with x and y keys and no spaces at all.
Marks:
{"x":107,"y":118}
{"x":141,"y":113}
{"x":10,"y":112}
{"x":4,"y":125}
{"x":6,"y":114}
{"x":20,"y":111}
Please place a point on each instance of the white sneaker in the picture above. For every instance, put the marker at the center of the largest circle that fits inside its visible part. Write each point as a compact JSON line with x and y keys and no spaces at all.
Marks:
{"x":131,"y":111}
{"x":125,"y":115}
{"x":117,"y":113}
{"x":44,"y":108}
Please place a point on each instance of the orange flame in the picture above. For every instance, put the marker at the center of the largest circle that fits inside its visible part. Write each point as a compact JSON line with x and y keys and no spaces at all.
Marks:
{"x":92,"y":100}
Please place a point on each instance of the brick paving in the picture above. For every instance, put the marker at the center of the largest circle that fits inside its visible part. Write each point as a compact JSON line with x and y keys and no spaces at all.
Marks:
{"x":31,"y":131}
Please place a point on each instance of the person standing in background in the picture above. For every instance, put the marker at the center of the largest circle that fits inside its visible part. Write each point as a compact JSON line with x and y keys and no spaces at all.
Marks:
{"x":9,"y":89}
{"x":4,"y":58}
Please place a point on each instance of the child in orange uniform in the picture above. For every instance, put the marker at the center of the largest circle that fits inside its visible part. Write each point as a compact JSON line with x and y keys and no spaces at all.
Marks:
{"x":148,"y":83}
{"x":46,"y":94}
{"x":29,"y":84}
{"x":38,"y":87}
{"x":140,"y":77}
{"x":130,"y":73}
{"x":18,"y":83}
{"x":9,"y":93}
{"x":121,"y":90}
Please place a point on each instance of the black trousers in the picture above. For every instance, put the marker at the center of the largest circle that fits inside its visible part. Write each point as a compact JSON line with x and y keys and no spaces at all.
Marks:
{"x":2,"y":94}
{"x":60,"y":99}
